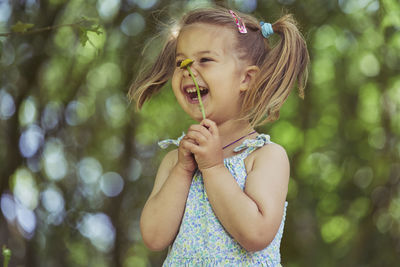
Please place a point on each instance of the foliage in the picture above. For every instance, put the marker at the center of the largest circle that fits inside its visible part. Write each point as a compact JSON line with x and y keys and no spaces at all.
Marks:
{"x":21,"y":27}
{"x":77,"y":162}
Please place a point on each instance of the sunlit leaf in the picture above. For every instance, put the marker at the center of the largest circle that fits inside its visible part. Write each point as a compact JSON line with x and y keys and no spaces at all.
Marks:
{"x":21,"y":27}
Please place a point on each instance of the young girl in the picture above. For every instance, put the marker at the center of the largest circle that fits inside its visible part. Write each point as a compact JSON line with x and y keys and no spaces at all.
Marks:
{"x":219,"y":198}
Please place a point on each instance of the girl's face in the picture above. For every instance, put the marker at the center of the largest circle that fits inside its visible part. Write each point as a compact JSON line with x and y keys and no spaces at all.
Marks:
{"x":218,"y":71}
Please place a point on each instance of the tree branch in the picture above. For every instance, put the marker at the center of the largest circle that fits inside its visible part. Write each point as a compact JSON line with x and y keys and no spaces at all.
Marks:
{"x":48,"y":28}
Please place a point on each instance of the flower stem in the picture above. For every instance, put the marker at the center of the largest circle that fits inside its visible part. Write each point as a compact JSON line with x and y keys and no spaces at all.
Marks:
{"x":198,"y":92}
{"x":6,"y":255}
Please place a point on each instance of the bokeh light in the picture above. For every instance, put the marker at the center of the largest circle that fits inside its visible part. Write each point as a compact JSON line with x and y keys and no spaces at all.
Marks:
{"x":7,"y":56}
{"x":99,"y":230}
{"x":334,"y":228}
{"x":55,"y":164}
{"x":116,"y":107}
{"x":111,"y":183}
{"x":135,"y":169}
{"x":363,"y":177}
{"x":8,"y":207}
{"x":76,"y":113}
{"x":12,"y":209}
{"x":369,"y":65}
{"x":108,"y":8}
{"x":26,"y":220}
{"x":25,"y":188}
{"x":113,"y":147}
{"x":53,"y":201}
{"x":133,"y":24}
{"x":89,"y":170}
{"x":7,"y":105}
{"x":352,"y":6}
{"x":104,"y":76}
{"x":144,"y":4}
{"x":247,"y":6}
{"x":28,"y":112}
{"x":51,"y":115}
{"x":5,"y":11}
{"x":31,"y":140}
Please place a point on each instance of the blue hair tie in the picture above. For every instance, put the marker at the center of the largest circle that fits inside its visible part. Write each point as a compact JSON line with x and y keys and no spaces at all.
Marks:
{"x":266,"y":29}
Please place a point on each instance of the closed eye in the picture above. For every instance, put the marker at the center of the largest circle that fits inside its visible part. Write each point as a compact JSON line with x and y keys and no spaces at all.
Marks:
{"x":178,"y":63}
{"x":205,"y":59}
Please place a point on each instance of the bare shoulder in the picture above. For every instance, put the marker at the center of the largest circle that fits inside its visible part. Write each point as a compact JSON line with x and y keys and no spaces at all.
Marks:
{"x":269,"y":154}
{"x":170,"y":158}
{"x":167,"y":163}
{"x":271,"y":150}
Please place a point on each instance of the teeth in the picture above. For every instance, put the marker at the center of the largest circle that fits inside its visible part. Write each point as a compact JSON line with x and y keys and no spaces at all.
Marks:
{"x":193,"y":89}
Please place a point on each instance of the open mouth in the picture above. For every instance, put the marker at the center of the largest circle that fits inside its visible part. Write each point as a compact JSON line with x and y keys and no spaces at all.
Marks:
{"x":191,"y":92}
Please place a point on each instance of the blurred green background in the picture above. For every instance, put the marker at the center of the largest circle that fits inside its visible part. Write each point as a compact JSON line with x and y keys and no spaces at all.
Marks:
{"x":77,"y":162}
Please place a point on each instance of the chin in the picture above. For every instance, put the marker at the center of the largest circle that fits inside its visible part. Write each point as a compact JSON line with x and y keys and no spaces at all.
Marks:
{"x":199,"y":119}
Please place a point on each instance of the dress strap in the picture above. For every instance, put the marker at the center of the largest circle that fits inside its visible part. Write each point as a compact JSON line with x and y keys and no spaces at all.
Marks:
{"x":165,"y":143}
{"x":249,"y":144}
{"x":252,"y":144}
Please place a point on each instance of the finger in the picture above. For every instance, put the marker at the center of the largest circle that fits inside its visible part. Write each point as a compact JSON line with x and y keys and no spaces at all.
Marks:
{"x":189,"y":139}
{"x":186,"y":144}
{"x":193,"y":148}
{"x":185,"y":138}
{"x":201,"y":129}
{"x":199,"y":137}
{"x":211,"y":125}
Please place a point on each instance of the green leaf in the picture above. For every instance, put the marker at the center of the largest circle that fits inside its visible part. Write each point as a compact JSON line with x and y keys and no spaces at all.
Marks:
{"x":83,"y":38}
{"x":95,"y":29}
{"x":90,"y":20}
{"x":91,"y":24}
{"x":21,"y":27}
{"x":83,"y":33}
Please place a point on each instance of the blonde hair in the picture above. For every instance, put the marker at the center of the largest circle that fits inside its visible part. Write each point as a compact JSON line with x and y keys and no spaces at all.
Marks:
{"x":280,"y":67}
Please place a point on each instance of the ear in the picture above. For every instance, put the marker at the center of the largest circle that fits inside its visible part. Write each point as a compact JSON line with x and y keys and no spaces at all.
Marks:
{"x":248,"y":76}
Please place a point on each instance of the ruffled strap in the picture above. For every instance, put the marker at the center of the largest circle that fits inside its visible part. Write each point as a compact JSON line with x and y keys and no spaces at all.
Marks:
{"x":165,"y":143}
{"x":259,"y":141}
{"x":253,"y":144}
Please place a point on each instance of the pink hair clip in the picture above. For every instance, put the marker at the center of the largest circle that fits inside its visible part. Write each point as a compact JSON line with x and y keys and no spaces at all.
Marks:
{"x":239,"y":22}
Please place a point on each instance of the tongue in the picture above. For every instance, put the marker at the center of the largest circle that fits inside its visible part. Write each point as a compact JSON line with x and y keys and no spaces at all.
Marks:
{"x":193,"y":95}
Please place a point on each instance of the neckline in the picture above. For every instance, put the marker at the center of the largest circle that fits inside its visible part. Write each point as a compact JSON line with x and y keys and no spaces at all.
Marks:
{"x":244,"y":150}
{"x":237,"y":140}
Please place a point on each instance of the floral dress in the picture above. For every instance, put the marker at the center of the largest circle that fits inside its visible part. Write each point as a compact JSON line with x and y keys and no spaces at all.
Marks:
{"x":202,"y":240}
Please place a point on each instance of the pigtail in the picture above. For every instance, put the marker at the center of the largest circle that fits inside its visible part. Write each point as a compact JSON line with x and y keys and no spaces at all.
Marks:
{"x":281,"y":67}
{"x":152,"y":80}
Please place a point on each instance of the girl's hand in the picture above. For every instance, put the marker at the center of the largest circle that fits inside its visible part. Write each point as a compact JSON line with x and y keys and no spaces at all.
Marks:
{"x":206,"y":145}
{"x":185,"y":157}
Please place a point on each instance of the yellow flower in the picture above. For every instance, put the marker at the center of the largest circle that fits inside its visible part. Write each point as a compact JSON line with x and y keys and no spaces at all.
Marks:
{"x":186,"y":63}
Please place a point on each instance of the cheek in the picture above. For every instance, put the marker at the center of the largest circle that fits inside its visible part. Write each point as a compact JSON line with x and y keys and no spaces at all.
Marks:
{"x":174,"y":79}
{"x":175,"y":83}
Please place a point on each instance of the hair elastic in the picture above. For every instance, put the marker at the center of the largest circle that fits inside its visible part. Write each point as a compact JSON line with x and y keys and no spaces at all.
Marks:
{"x":266,"y":29}
{"x":239,"y":22}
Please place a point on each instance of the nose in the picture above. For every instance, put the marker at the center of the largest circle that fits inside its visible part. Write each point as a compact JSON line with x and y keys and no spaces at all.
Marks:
{"x":193,"y":69}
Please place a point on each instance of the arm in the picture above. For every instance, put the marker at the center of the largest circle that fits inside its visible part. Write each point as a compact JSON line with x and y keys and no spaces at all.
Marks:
{"x":163,"y":211}
{"x":251,"y":216}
